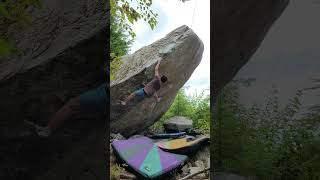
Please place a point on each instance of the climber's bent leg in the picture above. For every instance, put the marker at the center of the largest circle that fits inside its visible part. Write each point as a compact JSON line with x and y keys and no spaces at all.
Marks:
{"x":70,"y":109}
{"x":93,"y":102}
{"x":129,"y":98}
{"x":138,"y":93}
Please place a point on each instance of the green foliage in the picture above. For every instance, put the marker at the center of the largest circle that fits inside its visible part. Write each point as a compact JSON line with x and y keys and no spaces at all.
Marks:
{"x":14,"y":13}
{"x":114,"y":65}
{"x":115,"y":171}
{"x":124,"y":13}
{"x":196,"y":108}
{"x":268,"y":142}
{"x":120,"y":44}
{"x":5,"y":48}
{"x":129,"y":13}
{"x":201,"y":111}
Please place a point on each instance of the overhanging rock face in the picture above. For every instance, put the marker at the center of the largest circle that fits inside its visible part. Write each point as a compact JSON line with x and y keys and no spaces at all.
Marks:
{"x":56,"y":27}
{"x":61,"y":55}
{"x":238,"y":29}
{"x":182,"y":52}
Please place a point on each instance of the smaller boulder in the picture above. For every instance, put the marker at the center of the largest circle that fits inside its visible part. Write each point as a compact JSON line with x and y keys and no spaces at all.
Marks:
{"x":178,"y":124}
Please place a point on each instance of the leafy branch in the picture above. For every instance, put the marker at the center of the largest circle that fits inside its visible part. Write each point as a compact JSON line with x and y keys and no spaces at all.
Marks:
{"x":129,"y":14}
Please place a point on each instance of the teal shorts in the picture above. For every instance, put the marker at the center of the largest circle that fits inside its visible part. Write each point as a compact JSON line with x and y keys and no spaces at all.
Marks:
{"x":95,"y":100}
{"x":140,"y":93}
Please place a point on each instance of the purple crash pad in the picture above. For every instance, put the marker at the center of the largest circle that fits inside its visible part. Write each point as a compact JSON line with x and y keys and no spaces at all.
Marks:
{"x":142,"y":155}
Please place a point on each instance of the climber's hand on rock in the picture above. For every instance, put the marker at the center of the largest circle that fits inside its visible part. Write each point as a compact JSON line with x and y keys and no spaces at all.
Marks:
{"x":159,"y":60}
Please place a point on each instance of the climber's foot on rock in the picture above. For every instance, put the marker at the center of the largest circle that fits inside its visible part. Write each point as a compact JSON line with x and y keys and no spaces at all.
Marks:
{"x":123,"y":103}
{"x":39,"y":130}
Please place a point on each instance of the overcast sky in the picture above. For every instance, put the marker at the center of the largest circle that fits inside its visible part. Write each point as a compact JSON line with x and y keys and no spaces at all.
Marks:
{"x":288,"y":57}
{"x":172,"y":14}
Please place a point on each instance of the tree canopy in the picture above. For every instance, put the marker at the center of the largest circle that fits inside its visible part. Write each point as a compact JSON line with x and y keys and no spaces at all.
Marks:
{"x":129,"y":12}
{"x":124,"y":14}
{"x":269,"y":142}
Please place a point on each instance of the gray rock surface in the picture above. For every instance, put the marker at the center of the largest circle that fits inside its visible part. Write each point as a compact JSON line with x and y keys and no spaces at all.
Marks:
{"x":57,"y":26}
{"x":195,"y":170}
{"x":178,"y":123}
{"x":200,"y":164}
{"x":197,"y":162}
{"x":182,"y":52}
{"x":62,"y":55}
{"x":116,"y":137}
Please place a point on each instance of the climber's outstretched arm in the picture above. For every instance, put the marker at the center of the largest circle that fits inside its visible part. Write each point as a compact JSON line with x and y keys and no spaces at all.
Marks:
{"x":157,"y":68}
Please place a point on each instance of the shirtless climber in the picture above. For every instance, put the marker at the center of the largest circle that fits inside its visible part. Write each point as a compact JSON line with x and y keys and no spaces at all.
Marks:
{"x":149,"y":89}
{"x":91,"y":102}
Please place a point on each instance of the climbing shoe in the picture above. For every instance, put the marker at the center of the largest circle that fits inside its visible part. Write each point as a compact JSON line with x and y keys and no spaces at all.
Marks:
{"x":39,"y":130}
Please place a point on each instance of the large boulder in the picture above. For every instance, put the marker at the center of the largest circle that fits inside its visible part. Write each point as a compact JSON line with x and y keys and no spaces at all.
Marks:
{"x":181,"y":50}
{"x":178,"y":124}
{"x":61,"y":54}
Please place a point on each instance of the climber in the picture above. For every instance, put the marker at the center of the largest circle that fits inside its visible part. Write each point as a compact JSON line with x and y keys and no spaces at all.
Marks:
{"x":93,"y":102}
{"x":149,"y":89}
